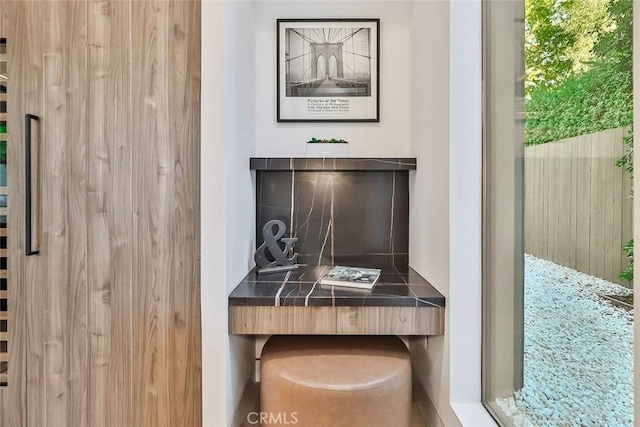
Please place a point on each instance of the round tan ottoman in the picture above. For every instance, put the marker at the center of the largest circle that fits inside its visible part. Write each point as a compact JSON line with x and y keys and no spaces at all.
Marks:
{"x":335,"y":381}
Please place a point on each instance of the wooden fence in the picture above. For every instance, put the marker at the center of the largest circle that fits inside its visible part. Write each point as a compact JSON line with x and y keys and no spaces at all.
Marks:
{"x":577,"y":207}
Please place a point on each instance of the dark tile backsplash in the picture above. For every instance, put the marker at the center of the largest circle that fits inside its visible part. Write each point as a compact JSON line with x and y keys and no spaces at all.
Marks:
{"x":338,"y":217}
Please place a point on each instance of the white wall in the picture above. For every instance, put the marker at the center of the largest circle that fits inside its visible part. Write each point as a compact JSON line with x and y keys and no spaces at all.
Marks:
{"x":240,"y":196}
{"x":465,"y":190}
{"x":446,"y":202}
{"x":213,"y":215}
{"x":227,"y":199}
{"x":390,"y":137}
{"x":429,"y":202}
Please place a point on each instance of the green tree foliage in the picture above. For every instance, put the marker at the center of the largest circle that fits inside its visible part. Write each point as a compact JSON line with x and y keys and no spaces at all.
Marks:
{"x":588,"y":20}
{"x":588,"y":102}
{"x":616,"y":45}
{"x":627,"y":274}
{"x":572,"y":103}
{"x":546,"y":43}
{"x":560,"y":36}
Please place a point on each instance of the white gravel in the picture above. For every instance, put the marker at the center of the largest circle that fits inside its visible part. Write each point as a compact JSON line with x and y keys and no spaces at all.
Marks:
{"x":578,"y":352}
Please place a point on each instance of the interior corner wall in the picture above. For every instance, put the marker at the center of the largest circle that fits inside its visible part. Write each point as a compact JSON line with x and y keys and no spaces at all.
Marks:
{"x":240,"y":84}
{"x":465,"y":217}
{"x":429,"y":209}
{"x":227,"y":200}
{"x":388,"y":138}
{"x":213,"y":214}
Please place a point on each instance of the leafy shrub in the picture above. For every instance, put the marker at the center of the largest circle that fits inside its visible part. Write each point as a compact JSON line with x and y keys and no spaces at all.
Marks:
{"x":590,"y":102}
{"x":627,"y":274}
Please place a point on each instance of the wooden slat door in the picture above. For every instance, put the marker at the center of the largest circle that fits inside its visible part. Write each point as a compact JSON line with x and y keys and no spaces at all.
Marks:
{"x":105,"y":324}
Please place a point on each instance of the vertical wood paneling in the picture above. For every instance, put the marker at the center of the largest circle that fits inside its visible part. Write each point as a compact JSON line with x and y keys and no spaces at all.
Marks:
{"x":545,"y":202}
{"x":578,"y":210}
{"x":153,"y":199}
{"x":108,"y":329}
{"x":19,"y":40}
{"x":596,"y":210}
{"x":608,"y":195}
{"x":532,"y":239}
{"x":54,"y":110}
{"x":77,"y":315}
{"x":564,"y":221}
{"x":616,"y":206}
{"x":184,"y":320}
{"x":165,"y":195}
{"x":26,"y":273}
{"x":64,"y":178}
{"x":583,"y":207}
{"x":573,"y":214}
{"x":110,"y":214}
{"x":554,"y":197}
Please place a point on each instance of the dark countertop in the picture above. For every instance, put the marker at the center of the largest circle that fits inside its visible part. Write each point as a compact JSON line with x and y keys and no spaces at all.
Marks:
{"x":397,"y":287}
{"x":332,"y":164}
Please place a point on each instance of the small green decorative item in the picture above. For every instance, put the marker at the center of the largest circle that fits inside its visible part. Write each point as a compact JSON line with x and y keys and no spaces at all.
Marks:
{"x":327,"y":148}
{"x":327,"y":141}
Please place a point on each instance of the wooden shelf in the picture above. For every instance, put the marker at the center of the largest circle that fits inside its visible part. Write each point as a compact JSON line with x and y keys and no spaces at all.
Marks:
{"x":262,"y":320}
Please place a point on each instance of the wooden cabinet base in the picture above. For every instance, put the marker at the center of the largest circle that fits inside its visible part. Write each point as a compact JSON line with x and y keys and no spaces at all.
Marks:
{"x":336,"y":320}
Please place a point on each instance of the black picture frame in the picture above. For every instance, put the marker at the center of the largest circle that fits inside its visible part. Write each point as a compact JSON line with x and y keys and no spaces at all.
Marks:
{"x":328,"y":70}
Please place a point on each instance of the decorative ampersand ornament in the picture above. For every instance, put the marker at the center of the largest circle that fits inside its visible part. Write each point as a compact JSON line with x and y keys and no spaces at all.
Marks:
{"x":271,"y":244}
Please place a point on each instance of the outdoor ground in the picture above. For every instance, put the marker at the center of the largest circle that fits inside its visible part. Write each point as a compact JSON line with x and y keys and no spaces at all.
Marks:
{"x":578,"y":351}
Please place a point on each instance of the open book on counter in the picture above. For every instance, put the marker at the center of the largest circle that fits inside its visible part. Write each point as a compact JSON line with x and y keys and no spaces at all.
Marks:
{"x":351,"y":277}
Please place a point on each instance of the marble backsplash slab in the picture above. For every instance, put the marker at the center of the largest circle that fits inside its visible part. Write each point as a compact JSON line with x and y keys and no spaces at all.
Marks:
{"x":339,"y":217}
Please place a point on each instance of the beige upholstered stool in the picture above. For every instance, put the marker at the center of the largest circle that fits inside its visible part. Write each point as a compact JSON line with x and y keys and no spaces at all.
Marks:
{"x":335,"y":381}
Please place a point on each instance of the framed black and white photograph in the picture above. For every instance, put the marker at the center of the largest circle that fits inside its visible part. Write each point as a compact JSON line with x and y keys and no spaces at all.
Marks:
{"x":328,"y":70}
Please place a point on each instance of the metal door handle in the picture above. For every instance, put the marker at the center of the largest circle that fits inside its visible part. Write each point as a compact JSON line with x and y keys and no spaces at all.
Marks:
{"x":28,"y":119}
